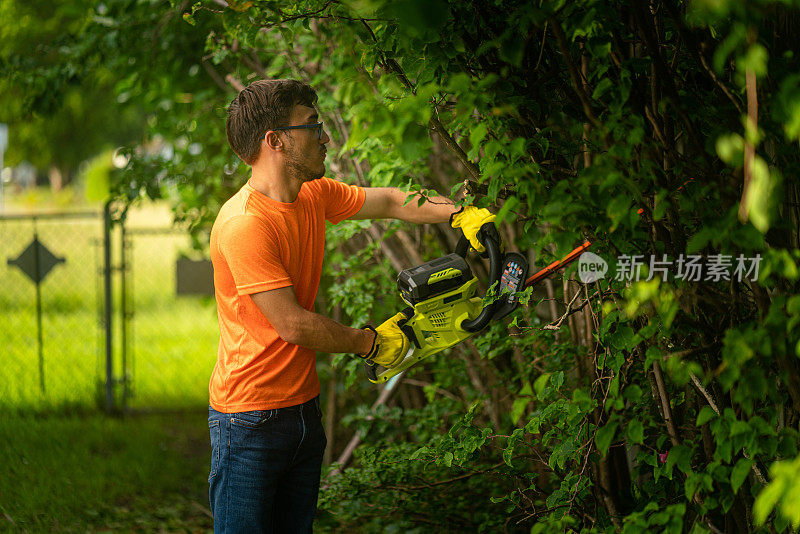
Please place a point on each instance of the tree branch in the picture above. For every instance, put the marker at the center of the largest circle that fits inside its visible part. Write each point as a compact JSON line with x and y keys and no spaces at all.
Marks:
{"x":577,"y":83}
{"x":347,"y":455}
{"x":689,"y":38}
{"x":392,"y":66}
{"x":423,"y":384}
{"x":756,"y":470}
{"x":214,"y":75}
{"x":231,"y":79}
{"x":749,"y":147}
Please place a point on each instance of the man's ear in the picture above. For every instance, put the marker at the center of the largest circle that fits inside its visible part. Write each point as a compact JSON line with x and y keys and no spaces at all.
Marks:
{"x":273,"y":141}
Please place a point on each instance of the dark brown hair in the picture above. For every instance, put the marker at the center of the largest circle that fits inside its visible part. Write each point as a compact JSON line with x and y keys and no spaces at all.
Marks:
{"x":262,"y":106}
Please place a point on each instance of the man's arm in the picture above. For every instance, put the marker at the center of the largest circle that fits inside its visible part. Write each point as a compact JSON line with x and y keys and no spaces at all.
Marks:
{"x":299,"y":326}
{"x":387,"y":203}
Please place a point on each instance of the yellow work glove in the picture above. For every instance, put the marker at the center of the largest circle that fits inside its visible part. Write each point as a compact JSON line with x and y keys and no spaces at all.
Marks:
{"x":470,"y":219}
{"x":390,"y":345}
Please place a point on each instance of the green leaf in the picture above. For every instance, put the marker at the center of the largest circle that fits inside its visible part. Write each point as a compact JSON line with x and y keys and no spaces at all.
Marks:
{"x":618,"y":209}
{"x":636,"y":431}
{"x":740,"y":427}
{"x":700,"y":239}
{"x":534,"y":423}
{"x":623,"y":338}
{"x":448,"y":459}
{"x":581,"y":400}
{"x":653,"y":354}
{"x":730,"y":149}
{"x":540,"y":383}
{"x":512,"y":49}
{"x":600,"y":89}
{"x":695,"y":480}
{"x":680,"y":456}
{"x":756,"y":59}
{"x":508,"y":455}
{"x":419,"y":452}
{"x":557,"y":379}
{"x":706,"y":414}
{"x":632,"y":393}
{"x":504,"y":212}
{"x":477,"y":134}
{"x":518,"y":408}
{"x":767,"y":500}
{"x":761,"y":205}
{"x":605,"y":436}
{"x":739,"y":473}
{"x":648,"y":330}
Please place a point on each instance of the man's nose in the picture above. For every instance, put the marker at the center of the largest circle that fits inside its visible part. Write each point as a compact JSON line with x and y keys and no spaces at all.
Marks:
{"x":324,"y":139}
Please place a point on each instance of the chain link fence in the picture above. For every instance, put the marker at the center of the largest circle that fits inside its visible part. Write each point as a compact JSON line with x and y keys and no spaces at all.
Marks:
{"x":173,"y":327}
{"x":50,"y":329}
{"x":123,"y":319}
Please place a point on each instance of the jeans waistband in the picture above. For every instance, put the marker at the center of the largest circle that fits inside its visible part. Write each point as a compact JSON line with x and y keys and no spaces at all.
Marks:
{"x":308,"y":405}
{"x":313,"y":403}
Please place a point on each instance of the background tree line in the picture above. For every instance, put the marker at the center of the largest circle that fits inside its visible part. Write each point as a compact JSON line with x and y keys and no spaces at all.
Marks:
{"x":661,"y":128}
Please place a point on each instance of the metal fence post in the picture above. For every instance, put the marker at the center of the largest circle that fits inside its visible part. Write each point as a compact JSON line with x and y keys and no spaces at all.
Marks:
{"x":125,"y":375}
{"x":109,"y":315}
{"x":38,"y":283}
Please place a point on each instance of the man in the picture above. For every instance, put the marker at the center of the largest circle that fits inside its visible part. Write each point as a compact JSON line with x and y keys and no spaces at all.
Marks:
{"x":267,"y":245}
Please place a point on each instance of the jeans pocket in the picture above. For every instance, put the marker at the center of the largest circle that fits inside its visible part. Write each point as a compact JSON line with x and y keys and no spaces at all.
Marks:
{"x":253,"y":419}
{"x":214,"y":430}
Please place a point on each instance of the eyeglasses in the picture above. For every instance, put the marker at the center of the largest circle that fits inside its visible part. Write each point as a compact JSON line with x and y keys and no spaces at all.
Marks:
{"x":317,"y":126}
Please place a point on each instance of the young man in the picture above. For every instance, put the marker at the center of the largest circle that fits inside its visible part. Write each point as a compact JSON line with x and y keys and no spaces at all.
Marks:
{"x":267,"y":245}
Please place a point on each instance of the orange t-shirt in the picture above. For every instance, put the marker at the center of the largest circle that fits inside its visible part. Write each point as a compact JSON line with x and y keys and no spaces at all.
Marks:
{"x":259,"y":244}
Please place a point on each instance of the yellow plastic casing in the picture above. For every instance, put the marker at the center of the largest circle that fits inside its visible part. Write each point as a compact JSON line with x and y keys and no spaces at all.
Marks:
{"x":436,"y":324}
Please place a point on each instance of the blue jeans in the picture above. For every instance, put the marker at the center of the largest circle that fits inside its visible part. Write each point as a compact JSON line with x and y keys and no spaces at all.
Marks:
{"x":265,"y":468}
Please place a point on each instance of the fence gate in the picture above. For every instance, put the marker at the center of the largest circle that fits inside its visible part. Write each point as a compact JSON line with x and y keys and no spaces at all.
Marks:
{"x":172,"y":328}
{"x":103,"y":309}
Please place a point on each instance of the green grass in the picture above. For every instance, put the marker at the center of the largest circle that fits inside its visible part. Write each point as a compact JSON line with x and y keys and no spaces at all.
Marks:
{"x":91,"y":473}
{"x":172,"y":339}
{"x":70,"y":333}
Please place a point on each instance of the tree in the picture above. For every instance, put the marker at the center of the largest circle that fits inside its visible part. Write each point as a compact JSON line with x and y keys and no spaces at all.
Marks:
{"x":660,"y":403}
{"x":60,"y":113}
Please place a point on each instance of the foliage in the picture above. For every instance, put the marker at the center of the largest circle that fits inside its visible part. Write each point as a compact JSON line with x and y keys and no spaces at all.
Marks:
{"x":61,"y":108}
{"x":656,"y":404}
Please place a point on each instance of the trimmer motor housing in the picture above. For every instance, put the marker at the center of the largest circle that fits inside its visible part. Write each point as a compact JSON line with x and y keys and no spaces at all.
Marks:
{"x":443,"y":309}
{"x":433,"y":278}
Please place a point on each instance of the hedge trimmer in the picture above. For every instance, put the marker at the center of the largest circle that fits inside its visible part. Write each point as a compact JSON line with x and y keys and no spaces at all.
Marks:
{"x":443,"y":308}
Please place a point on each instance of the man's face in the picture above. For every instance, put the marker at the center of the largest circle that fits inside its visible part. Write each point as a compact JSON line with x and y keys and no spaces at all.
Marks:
{"x":305,"y":151}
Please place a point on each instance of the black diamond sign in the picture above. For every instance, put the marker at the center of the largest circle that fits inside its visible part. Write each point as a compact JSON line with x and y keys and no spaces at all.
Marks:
{"x":27,"y":261}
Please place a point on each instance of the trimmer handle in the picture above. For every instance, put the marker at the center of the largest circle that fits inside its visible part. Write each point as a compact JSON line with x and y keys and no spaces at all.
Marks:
{"x":490,"y":239}
{"x":372,"y":369}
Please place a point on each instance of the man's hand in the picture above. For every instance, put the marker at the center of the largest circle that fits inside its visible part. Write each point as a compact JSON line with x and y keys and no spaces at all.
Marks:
{"x":470,"y":219}
{"x":390,"y":345}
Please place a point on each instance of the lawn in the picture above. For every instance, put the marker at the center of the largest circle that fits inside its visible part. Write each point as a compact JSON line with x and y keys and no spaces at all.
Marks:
{"x":93,"y":473}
